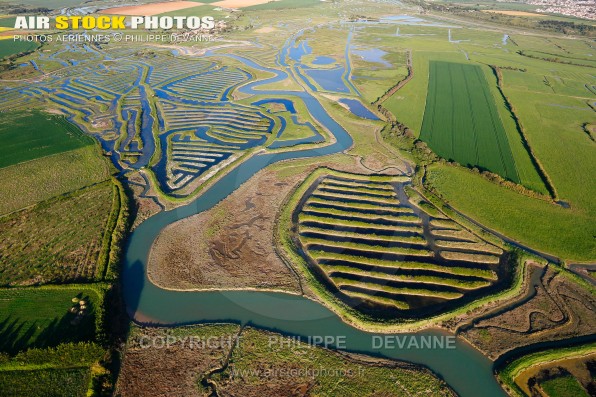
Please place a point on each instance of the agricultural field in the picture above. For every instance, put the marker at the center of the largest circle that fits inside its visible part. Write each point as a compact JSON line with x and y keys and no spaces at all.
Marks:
{"x":45,"y":382}
{"x":210,"y":250}
{"x":62,"y":222}
{"x":65,"y":370}
{"x":306,"y":156}
{"x":58,"y":228}
{"x":461,"y":122}
{"x":408,"y":103}
{"x":259,"y":5}
{"x":57,"y":240}
{"x":524,"y":219}
{"x":184,"y":371}
{"x":150,"y":9}
{"x":563,"y":385}
{"x":43,"y":157}
{"x":47,"y":316}
{"x":31,"y":135}
{"x":8,"y":47}
{"x":389,"y":254}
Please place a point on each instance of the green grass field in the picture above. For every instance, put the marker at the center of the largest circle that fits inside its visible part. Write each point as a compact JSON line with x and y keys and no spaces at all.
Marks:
{"x":40,"y":317}
{"x":567,"y":233}
{"x":50,"y":176}
{"x":551,"y":102}
{"x":9,"y":47}
{"x":461,"y":121}
{"x":7,"y":22}
{"x":57,"y":240}
{"x":30,"y":135}
{"x":71,"y":382}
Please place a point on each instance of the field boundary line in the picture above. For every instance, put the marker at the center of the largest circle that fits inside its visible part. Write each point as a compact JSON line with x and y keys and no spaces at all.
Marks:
{"x":392,"y":90}
{"x":539,"y":168}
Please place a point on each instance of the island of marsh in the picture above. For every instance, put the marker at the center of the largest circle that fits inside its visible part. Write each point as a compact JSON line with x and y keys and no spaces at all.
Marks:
{"x":242,"y":360}
{"x":382,"y":249}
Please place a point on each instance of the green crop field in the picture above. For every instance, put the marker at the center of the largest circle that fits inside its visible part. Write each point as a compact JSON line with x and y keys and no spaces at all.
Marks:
{"x":50,"y":176}
{"x":41,"y":317}
{"x":199,"y":10}
{"x":461,"y":121}
{"x":57,"y":240}
{"x":71,"y":382}
{"x":7,"y":22}
{"x":9,"y":47}
{"x":30,"y":135}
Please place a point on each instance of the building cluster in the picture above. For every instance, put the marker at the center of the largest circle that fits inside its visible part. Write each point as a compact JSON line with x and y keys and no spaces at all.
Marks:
{"x":576,"y":8}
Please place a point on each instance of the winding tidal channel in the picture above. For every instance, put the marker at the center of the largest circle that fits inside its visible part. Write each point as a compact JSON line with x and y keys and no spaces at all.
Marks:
{"x":465,"y":369}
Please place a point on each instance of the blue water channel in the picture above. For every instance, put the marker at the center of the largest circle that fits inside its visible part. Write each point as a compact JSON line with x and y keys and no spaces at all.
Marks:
{"x":465,"y":369}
